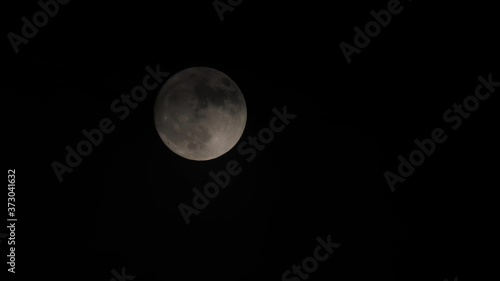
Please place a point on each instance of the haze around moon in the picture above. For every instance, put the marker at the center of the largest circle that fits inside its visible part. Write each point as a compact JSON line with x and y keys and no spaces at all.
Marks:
{"x":200,"y":113}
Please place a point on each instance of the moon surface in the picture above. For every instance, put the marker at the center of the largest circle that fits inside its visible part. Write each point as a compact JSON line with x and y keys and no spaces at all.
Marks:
{"x":200,"y":113}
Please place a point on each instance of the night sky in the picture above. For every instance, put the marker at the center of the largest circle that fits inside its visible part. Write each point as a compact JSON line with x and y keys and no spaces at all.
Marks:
{"x":322,"y":175}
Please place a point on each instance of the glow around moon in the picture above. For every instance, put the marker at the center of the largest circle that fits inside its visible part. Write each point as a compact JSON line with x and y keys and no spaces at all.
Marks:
{"x":200,"y":113}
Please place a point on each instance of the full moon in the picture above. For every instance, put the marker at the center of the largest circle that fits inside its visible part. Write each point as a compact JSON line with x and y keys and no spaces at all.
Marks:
{"x":200,"y":113}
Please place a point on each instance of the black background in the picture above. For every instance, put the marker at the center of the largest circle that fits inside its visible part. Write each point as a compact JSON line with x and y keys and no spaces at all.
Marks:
{"x":322,"y":175}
